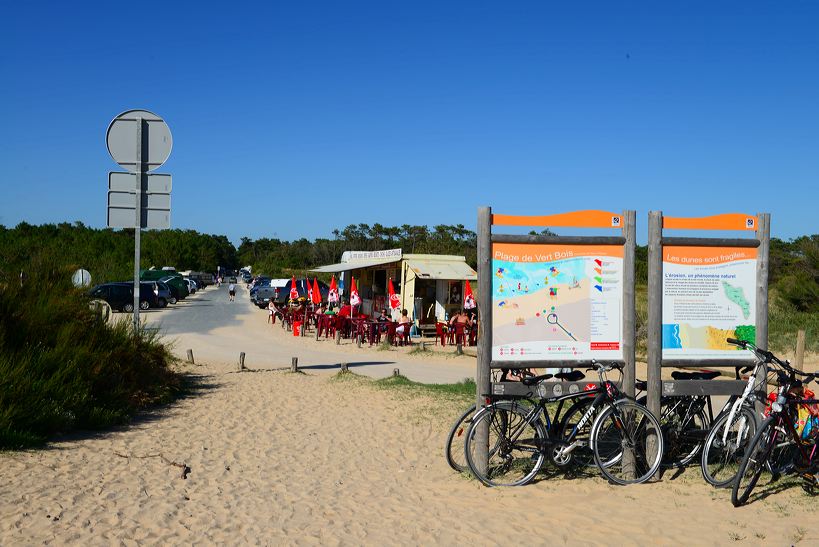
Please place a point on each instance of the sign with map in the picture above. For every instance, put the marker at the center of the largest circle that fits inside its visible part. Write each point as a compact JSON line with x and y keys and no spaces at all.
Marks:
{"x":557,"y":302}
{"x":709,"y":294}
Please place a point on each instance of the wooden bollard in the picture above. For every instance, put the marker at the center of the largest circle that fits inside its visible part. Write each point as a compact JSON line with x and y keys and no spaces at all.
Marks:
{"x":190,"y":356}
{"x":294,"y":364}
{"x":799,"y":358}
{"x":396,"y":372}
{"x":459,"y":349}
{"x":338,"y":337}
{"x":358,"y":340}
{"x":344,"y":367}
{"x":423,"y":346}
{"x":241,"y":361}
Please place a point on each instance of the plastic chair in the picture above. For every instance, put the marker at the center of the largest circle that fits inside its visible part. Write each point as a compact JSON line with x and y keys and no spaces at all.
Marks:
{"x":439,"y":333}
{"x":460,"y":337}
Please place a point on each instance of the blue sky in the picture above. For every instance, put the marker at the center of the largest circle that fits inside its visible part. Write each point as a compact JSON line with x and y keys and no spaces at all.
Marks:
{"x":291,"y":119}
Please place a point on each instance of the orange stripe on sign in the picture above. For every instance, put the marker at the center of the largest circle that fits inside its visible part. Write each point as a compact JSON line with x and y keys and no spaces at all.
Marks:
{"x":728,"y":221}
{"x":535,"y":252}
{"x":577,"y":219}
{"x":706,"y":255}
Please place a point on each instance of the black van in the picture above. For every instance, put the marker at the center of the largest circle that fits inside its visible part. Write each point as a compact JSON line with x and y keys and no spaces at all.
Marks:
{"x":120,"y":296}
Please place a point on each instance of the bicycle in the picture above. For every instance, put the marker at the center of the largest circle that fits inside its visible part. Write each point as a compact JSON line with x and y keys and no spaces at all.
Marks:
{"x":625,"y":438}
{"x":454,"y":446}
{"x":736,"y":424}
{"x":778,"y":433}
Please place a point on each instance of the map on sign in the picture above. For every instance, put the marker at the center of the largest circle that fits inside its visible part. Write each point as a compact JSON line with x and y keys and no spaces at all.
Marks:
{"x":556,"y":302}
{"x":709,"y":295}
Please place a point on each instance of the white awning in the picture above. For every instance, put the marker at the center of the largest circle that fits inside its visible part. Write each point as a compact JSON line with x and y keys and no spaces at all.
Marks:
{"x":355,"y":264}
{"x":442,"y":269}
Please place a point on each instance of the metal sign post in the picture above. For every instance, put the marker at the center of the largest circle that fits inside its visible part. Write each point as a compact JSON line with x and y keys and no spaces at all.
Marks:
{"x":140,"y":141}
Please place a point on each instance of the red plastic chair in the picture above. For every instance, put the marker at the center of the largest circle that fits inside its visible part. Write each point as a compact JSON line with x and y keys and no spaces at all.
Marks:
{"x":439,"y":333}
{"x":460,"y":333}
{"x":404,"y":337}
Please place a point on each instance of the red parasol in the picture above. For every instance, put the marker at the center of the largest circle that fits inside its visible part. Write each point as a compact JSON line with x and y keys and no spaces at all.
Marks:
{"x":316,"y":291}
{"x":355,"y":300}
{"x":469,"y":298}
{"x":395,"y":302}
{"x":332,"y":296}
{"x":294,"y":292}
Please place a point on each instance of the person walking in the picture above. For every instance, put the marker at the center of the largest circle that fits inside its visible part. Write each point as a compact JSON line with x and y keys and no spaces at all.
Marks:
{"x":232,"y":292}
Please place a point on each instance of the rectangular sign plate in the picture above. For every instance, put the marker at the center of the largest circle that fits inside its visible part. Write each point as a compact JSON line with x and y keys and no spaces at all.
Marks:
{"x":126,"y":182}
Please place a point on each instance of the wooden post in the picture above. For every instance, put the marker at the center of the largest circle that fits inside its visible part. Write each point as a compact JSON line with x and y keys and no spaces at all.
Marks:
{"x":423,"y":346}
{"x":629,"y":228}
{"x":483,"y":373}
{"x":799,"y":358}
{"x":763,"y":235}
{"x":396,"y":372}
{"x":344,"y":367}
{"x":190,"y":356}
{"x":241,"y":361}
{"x":655,"y":316}
{"x":294,"y":364}
{"x":459,"y":349}
{"x":338,"y":337}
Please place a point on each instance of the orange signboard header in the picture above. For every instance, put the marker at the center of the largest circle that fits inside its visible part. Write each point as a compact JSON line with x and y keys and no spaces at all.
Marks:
{"x":577,"y":219}
{"x":697,"y":256}
{"x":729,"y":221}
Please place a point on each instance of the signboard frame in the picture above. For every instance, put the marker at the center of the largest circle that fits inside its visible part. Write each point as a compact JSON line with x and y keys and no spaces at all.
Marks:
{"x":759,"y":224}
{"x":624,"y":222}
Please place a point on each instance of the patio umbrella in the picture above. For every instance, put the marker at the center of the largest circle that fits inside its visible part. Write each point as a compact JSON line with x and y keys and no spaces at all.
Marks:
{"x":355,"y":300}
{"x":332,"y":296}
{"x":316,"y":291}
{"x":294,"y":292}
{"x":469,"y":298}
{"x":395,"y":302}
{"x":309,"y":290}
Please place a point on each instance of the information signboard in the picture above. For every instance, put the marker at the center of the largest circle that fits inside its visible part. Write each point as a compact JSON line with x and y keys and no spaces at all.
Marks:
{"x":709,"y":294}
{"x":557,"y":302}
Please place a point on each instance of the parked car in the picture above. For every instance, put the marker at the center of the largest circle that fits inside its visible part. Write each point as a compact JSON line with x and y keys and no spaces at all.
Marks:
{"x":191,"y":284}
{"x":172,"y":279}
{"x":246,"y":277}
{"x":120,"y":296}
{"x":231,"y":279}
{"x":164,"y":295}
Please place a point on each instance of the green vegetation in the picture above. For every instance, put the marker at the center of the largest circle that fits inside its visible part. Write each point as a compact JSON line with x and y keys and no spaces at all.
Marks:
{"x":63,"y":368}
{"x":108,"y":254}
{"x":461,"y":392}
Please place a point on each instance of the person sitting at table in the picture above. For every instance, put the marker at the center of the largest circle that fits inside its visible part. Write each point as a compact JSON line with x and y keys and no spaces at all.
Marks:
{"x":331,"y":310}
{"x":403,"y":323}
{"x":271,"y":312}
{"x":383,"y":319}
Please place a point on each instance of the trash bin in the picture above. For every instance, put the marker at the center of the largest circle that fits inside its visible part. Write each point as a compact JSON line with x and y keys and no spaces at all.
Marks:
{"x":296,"y":328}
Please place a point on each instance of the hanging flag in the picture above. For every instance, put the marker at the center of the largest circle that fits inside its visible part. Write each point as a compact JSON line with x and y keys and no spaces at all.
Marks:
{"x":294,"y":292}
{"x":469,"y":298}
{"x":309,"y":290}
{"x":395,"y":302}
{"x":355,"y":300}
{"x":332,"y":296}
{"x":316,"y":291}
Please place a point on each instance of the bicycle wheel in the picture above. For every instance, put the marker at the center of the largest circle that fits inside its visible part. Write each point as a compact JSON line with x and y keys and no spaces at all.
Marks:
{"x":725,"y":446}
{"x":454,"y":448}
{"x":627,"y":443}
{"x":515,"y":445}
{"x":578,"y":452}
{"x":683,"y":432}
{"x":755,"y":459}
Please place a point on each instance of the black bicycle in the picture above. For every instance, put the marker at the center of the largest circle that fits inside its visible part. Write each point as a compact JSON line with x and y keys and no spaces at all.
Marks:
{"x":509,"y":440}
{"x":777,"y":440}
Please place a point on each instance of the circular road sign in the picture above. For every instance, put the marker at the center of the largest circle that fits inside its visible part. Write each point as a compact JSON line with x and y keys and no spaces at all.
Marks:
{"x":121,"y":138}
{"x":81,"y":278}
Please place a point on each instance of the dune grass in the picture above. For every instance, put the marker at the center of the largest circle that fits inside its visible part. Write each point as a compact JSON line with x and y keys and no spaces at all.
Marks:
{"x":64,"y":368}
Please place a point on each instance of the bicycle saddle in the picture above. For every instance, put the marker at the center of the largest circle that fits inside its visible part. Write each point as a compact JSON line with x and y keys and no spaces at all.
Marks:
{"x":679,"y":375}
{"x":532,"y":380}
{"x":572,"y":376}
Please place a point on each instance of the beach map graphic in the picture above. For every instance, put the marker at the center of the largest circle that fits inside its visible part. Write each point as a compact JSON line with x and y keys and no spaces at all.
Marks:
{"x":556,"y":302}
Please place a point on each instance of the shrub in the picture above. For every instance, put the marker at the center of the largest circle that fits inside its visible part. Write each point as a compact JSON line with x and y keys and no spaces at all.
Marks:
{"x":62,"y":367}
